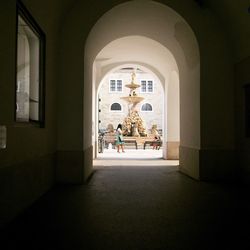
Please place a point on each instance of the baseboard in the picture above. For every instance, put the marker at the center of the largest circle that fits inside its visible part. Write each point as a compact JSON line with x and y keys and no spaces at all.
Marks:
{"x":173,"y":150}
{"x":189,"y":162}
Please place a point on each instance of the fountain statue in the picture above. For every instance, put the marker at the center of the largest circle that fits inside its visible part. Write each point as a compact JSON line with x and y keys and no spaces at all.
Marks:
{"x":133,"y":123}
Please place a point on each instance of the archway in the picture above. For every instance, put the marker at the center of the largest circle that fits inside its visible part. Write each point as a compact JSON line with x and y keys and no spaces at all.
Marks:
{"x":105,"y":118}
{"x":206,"y":147}
{"x":164,"y":26}
{"x":154,"y":58}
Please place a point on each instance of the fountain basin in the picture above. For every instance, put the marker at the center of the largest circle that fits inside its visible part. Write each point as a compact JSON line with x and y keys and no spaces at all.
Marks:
{"x":133,"y":99}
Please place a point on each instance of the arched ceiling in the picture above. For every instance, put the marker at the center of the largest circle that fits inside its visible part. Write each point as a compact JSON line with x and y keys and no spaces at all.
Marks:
{"x":138,"y":49}
{"x":234,"y":17}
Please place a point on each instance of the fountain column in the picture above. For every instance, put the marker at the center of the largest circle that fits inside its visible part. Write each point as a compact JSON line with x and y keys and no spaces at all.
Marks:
{"x":133,"y":123}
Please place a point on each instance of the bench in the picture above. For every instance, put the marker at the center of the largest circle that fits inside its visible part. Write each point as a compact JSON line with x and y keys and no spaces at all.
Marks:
{"x":109,"y":139}
{"x":132,"y":141}
{"x":112,"y":139}
{"x":150,"y":142}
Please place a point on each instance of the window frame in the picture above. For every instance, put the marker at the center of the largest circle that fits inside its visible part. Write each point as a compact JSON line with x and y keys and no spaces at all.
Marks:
{"x":146,"y":110}
{"x":116,"y":111}
{"x":147,"y":81}
{"x":22,"y":11}
{"x":115,"y":91}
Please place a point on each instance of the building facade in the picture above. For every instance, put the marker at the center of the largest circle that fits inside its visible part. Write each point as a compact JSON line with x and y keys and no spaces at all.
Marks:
{"x":112,"y":109}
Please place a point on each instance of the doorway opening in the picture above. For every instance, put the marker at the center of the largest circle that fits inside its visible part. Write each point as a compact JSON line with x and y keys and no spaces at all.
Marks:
{"x":132,"y":96}
{"x":156,"y":110}
{"x":160,"y":40}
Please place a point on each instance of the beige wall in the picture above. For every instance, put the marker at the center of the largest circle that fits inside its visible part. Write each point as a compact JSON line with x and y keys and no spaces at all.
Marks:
{"x":173,"y":108}
{"x":27,"y":165}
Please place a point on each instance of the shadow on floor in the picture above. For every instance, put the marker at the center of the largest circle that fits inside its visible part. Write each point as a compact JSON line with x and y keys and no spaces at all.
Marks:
{"x":135,"y":208}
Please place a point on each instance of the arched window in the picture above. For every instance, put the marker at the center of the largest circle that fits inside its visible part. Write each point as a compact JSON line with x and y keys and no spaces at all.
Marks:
{"x":146,"y":107}
{"x":116,"y":107}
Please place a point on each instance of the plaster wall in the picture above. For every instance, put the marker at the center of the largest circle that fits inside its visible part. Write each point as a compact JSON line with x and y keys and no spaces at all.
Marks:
{"x":27,"y":165}
{"x":173,"y":108}
{"x":173,"y":117}
{"x":150,"y":27}
{"x":217,"y":106}
{"x":166,"y":37}
{"x":171,"y":31}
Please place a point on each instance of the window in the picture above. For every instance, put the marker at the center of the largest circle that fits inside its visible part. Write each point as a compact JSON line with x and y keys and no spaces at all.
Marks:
{"x":112,"y":85}
{"x":150,"y":86}
{"x":116,"y":107}
{"x":146,"y":86}
{"x":143,"y":86}
{"x":146,"y":107}
{"x":115,"y":86}
{"x":30,"y":69}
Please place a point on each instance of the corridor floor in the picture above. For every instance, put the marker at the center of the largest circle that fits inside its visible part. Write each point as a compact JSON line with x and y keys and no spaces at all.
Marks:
{"x":153,"y":207}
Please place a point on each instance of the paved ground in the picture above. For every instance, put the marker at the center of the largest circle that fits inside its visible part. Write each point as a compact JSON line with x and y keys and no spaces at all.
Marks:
{"x":131,"y":154}
{"x":138,"y":207}
{"x":132,"y":157}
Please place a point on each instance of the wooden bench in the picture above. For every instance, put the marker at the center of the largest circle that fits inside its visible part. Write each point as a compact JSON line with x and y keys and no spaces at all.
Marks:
{"x":109,"y":139}
{"x":132,"y":141}
{"x":112,"y":139}
{"x":150,"y":142}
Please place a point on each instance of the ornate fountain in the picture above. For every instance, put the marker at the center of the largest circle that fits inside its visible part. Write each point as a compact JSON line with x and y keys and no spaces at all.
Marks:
{"x":133,"y":123}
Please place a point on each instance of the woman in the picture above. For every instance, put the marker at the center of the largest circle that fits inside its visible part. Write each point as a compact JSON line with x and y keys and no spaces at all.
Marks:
{"x":119,"y":138}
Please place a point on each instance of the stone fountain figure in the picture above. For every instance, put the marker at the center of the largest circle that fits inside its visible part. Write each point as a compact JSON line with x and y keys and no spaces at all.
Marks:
{"x":133,"y":123}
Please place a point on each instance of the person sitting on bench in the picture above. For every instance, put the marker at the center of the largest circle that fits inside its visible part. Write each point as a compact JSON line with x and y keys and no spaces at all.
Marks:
{"x":156,"y":142}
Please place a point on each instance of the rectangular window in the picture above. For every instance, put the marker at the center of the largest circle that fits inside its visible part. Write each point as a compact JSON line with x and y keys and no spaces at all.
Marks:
{"x":29,"y":69}
{"x":115,"y":86}
{"x":150,"y":86}
{"x":112,"y":85}
{"x":119,"y":85}
{"x":143,"y":86}
{"x":147,"y":86}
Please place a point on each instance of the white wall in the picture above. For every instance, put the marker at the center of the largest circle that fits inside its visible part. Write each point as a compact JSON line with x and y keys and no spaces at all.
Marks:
{"x":173,"y":108}
{"x":200,"y":122}
{"x":156,"y":99}
{"x":172,"y":34}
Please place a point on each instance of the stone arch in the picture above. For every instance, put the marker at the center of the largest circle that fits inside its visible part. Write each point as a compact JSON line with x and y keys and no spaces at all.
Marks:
{"x":109,"y":68}
{"x":163,"y":25}
{"x":204,"y":140}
